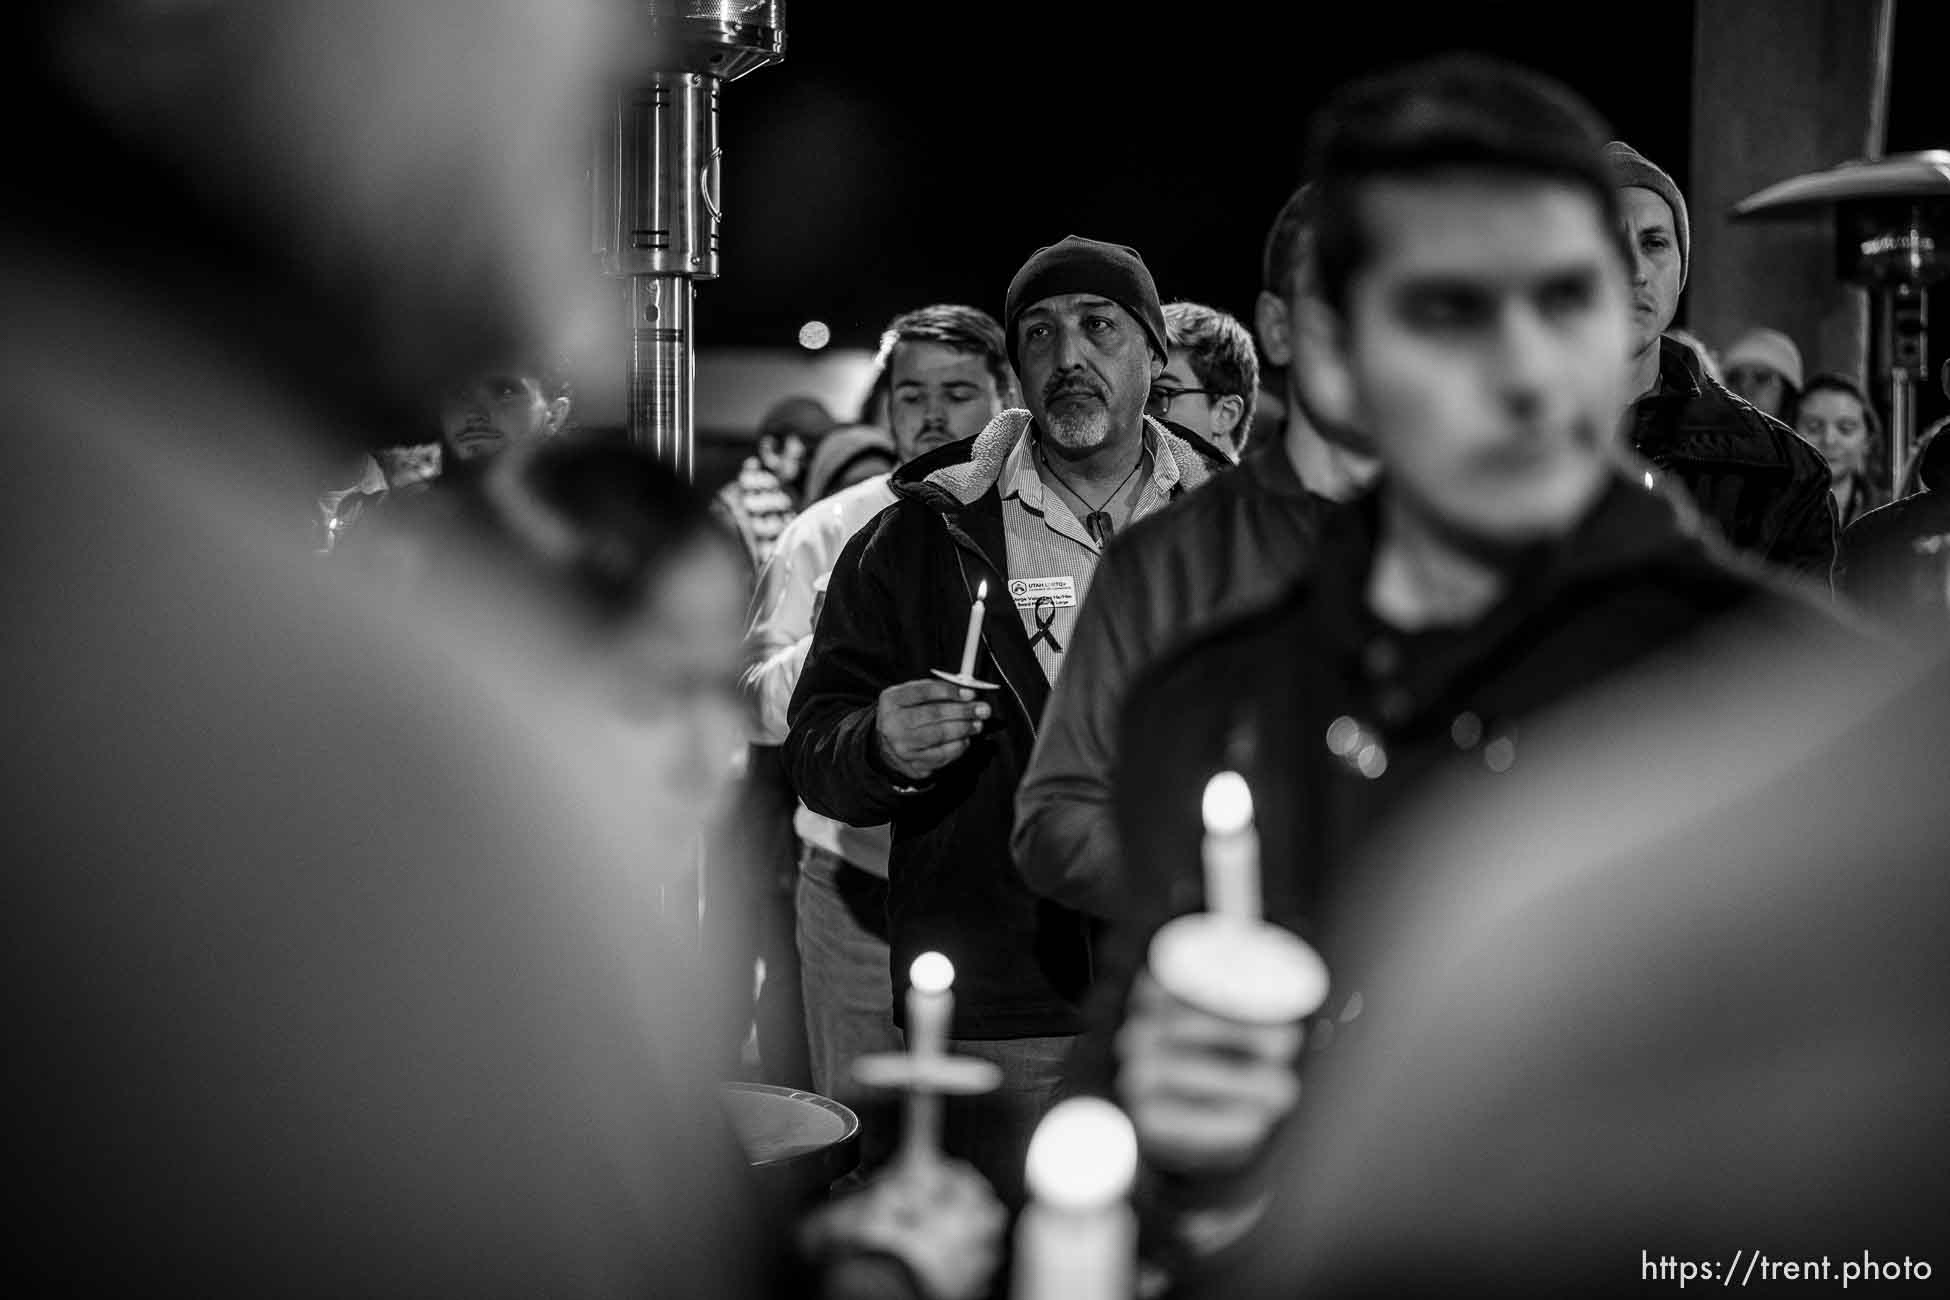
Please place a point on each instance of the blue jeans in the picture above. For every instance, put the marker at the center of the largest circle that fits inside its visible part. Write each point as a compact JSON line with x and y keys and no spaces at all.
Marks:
{"x":992,"y":1132}
{"x":843,"y":963}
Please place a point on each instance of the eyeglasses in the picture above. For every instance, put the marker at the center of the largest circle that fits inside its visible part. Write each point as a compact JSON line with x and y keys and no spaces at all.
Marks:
{"x":1160,"y":400}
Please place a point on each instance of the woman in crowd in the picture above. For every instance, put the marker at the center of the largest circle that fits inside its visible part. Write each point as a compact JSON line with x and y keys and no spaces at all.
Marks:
{"x":1839,"y":420}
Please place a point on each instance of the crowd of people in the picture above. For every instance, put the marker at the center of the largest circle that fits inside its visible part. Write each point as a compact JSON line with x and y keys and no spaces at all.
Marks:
{"x":1587,"y":688}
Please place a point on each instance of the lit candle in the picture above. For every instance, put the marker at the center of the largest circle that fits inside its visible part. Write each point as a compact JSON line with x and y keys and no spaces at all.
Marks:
{"x":1231,"y":849}
{"x":1077,"y":1238}
{"x":930,"y":1004}
{"x":974,"y":640}
{"x":1228,"y":960}
{"x":930,"y":1008}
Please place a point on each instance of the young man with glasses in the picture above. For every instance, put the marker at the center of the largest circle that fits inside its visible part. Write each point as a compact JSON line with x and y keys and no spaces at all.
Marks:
{"x":1210,"y":381}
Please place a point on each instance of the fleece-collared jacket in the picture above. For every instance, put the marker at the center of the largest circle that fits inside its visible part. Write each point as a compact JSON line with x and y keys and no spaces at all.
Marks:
{"x":896,"y":608}
{"x":1755,"y":479}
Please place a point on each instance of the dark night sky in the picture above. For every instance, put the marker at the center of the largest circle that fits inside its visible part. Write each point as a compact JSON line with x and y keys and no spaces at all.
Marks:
{"x":909,"y":154}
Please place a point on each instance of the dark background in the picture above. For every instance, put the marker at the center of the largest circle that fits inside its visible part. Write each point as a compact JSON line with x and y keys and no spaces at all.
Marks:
{"x":904,"y":154}
{"x":910,"y":154}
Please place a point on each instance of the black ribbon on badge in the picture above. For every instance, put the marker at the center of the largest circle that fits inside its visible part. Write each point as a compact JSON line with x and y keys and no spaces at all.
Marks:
{"x":1044,"y":612}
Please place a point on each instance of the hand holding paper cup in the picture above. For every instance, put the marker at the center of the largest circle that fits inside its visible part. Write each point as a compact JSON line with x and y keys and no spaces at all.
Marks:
{"x":1214,"y":1023}
{"x":1228,"y":960}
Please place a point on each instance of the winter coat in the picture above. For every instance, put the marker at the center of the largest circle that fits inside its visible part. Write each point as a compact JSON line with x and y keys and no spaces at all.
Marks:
{"x":896,"y":608}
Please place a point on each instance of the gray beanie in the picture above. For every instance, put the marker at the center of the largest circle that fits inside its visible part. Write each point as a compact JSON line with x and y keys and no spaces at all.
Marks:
{"x":1629,"y":167}
{"x":1078,"y":265}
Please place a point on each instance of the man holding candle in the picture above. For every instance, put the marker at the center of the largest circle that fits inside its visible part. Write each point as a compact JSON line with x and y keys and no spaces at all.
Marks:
{"x":948,"y":374}
{"x":1025,"y":508}
{"x":1470,"y":317}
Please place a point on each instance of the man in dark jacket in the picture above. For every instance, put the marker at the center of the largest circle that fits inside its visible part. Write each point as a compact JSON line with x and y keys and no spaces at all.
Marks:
{"x":1896,"y":560}
{"x":1763,"y":487}
{"x":1234,"y":546}
{"x":1472,"y":306}
{"x":1020,"y":511}
{"x":1606,"y":1052}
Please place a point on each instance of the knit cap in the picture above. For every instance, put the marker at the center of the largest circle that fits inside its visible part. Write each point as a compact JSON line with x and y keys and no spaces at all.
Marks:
{"x":1629,"y":167}
{"x":1078,"y":265}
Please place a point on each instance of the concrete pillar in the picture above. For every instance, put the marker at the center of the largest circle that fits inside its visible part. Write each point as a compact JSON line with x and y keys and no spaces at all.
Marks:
{"x":1780,"y":87}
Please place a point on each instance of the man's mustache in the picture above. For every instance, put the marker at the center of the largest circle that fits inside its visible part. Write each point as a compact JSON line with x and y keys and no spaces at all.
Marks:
{"x":1072,"y":387}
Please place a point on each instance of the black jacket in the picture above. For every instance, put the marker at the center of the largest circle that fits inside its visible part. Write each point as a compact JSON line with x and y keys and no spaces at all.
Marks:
{"x":896,"y":608}
{"x":1264,"y":695}
{"x":1226,"y":549}
{"x":1764,"y":488}
{"x":1896,"y":563}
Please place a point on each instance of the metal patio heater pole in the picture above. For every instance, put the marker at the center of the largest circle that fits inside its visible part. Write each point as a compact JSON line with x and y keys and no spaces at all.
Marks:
{"x":657,"y":196}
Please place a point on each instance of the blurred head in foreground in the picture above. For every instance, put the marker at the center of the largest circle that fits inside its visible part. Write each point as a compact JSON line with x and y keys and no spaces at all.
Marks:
{"x":369,"y":198}
{"x":642,"y":603}
{"x":344,"y":962}
{"x":1469,"y":314}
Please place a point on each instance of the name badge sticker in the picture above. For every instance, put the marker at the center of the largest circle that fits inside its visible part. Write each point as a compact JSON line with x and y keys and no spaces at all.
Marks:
{"x":1027,"y":591}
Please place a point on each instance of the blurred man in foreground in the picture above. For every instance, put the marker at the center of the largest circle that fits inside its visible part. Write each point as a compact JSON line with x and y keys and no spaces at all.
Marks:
{"x":339,"y":936}
{"x":1471,"y":317}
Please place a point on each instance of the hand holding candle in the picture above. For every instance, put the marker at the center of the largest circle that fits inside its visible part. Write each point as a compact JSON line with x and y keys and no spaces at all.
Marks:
{"x":1227,"y":960}
{"x":1213,"y":1025}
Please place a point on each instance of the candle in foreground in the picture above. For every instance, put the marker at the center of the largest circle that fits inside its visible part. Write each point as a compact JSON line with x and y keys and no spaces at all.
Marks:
{"x":930,"y":1004}
{"x":930,"y":1008}
{"x":1228,"y":961}
{"x":1231,"y":849}
{"x":974,"y":639}
{"x":1077,"y":1239}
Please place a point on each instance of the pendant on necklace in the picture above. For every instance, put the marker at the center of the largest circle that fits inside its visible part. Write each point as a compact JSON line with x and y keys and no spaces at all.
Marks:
{"x":1098,"y":524}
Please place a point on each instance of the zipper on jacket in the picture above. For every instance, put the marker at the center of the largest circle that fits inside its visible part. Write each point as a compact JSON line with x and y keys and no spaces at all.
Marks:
{"x":961,"y":563}
{"x":1083,"y":924}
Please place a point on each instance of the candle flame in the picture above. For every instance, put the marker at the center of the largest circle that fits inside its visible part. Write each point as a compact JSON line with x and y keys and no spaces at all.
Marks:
{"x":982,"y":591}
{"x":1083,"y":1155}
{"x":1228,"y":804}
{"x":931,"y":973}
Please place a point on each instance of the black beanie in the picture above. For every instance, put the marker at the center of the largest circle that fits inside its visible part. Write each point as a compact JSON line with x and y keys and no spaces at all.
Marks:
{"x":1078,"y":265}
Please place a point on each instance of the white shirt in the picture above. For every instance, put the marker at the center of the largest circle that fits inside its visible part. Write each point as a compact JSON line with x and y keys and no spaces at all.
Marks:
{"x":781,"y":633}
